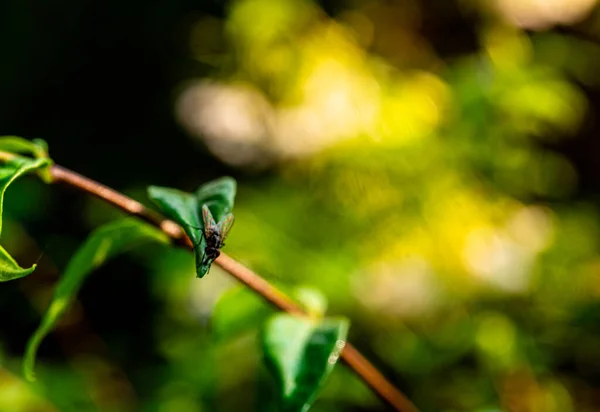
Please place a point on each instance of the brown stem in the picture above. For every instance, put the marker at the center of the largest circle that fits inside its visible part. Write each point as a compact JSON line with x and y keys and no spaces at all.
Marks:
{"x":352,"y":357}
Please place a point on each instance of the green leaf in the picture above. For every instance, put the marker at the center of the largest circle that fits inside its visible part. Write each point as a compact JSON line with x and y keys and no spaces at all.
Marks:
{"x":218,"y":195}
{"x":182,"y":207}
{"x":9,"y":269}
{"x":103,"y":244}
{"x":300,"y":353}
{"x":10,"y":170}
{"x":186,"y":209}
{"x":37,"y":148}
{"x":238,"y":310}
{"x":313,"y":300}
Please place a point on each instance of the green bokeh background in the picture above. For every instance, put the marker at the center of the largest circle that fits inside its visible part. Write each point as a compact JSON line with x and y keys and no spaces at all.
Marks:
{"x":431,"y":167}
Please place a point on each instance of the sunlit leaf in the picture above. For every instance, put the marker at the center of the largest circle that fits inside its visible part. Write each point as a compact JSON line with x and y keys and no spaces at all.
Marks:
{"x":37,"y":148}
{"x":103,"y":244}
{"x":313,"y":300}
{"x":300,"y":353}
{"x":186,"y":209}
{"x":10,"y":170}
{"x":9,"y":269}
{"x":239,"y":310}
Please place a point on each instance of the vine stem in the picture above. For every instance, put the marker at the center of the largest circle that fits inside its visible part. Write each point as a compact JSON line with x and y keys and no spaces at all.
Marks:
{"x":350,"y":355}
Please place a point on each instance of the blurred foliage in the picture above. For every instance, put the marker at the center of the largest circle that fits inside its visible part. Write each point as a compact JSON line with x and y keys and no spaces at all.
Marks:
{"x":301,"y":353}
{"x":103,"y":244}
{"x":430,"y":167}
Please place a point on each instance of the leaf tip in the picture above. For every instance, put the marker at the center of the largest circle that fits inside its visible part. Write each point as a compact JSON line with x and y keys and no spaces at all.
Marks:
{"x":30,"y":376}
{"x":29,"y":363}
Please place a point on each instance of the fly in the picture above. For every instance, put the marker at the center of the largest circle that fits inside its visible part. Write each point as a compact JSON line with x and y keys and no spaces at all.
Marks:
{"x":215,"y":234}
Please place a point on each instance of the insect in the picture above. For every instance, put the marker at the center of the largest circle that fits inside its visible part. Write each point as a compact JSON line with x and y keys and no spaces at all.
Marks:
{"x":215,"y":234}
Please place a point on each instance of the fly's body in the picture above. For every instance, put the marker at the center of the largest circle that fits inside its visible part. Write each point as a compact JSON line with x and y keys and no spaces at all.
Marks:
{"x":213,"y":242}
{"x":215,"y":234}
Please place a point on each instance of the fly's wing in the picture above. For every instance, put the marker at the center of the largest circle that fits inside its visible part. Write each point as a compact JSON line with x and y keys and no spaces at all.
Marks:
{"x":209,"y":222}
{"x":225,"y":226}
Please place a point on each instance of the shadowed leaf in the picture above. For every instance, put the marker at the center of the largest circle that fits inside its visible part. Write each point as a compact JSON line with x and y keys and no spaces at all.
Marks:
{"x":103,"y":244}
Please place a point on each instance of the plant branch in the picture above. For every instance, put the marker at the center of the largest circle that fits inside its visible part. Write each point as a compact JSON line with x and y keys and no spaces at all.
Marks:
{"x":350,"y":355}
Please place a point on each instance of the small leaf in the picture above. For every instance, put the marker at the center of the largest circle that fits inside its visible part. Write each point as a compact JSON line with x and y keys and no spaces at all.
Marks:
{"x":103,"y":244}
{"x":182,"y":207}
{"x":37,"y":148}
{"x":237,"y":311}
{"x":9,"y":172}
{"x":186,"y":209}
{"x":301,"y":353}
{"x":9,"y":269}
{"x":313,"y":300}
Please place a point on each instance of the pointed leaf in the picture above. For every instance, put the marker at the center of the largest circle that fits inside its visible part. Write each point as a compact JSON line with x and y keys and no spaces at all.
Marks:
{"x":9,"y":269}
{"x":300,"y":353}
{"x":186,"y":209}
{"x":103,"y":244}
{"x":183,"y":208}
{"x":10,"y":170}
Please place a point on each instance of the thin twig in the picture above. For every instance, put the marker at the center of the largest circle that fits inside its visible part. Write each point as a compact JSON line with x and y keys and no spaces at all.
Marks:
{"x":350,"y":355}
